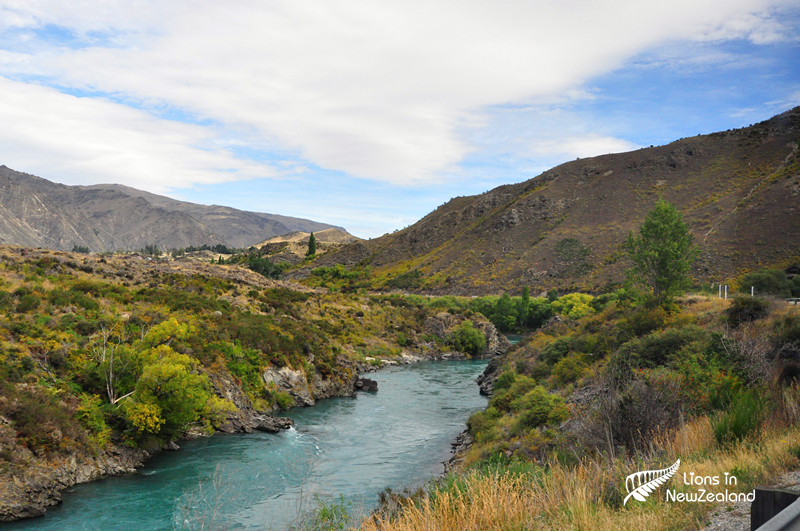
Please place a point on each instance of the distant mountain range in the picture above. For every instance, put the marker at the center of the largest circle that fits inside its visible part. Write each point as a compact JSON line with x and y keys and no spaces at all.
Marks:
{"x":35,"y":212}
{"x":739,"y":191}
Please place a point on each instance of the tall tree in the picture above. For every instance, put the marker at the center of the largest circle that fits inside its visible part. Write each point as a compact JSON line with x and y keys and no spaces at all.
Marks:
{"x":662,"y":252}
{"x":312,"y":245}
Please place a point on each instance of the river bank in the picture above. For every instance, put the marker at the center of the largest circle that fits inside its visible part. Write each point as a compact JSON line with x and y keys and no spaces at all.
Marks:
{"x":29,"y":492}
{"x":103,"y":354}
{"x":355,"y":447}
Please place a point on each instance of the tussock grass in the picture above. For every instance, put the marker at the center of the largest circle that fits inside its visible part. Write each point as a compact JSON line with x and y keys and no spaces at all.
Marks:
{"x":589,"y":495}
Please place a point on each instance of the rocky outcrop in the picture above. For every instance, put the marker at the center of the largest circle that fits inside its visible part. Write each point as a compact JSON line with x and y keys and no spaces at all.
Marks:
{"x":245,"y":418}
{"x":305,"y":391}
{"x":489,"y":376}
{"x":458,"y":448}
{"x":365,"y":384}
{"x":496,"y":343}
{"x":29,"y":490}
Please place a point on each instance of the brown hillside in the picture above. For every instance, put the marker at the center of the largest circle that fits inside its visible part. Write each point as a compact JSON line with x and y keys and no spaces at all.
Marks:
{"x":293,"y":246}
{"x":739,"y":192}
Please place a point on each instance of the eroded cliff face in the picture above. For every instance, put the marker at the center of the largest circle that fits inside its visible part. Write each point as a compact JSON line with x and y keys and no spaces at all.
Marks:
{"x":33,"y":484}
{"x":305,"y":390}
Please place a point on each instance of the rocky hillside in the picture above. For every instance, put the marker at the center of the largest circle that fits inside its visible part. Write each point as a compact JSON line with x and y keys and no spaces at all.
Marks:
{"x":35,"y":212}
{"x":739,"y":191}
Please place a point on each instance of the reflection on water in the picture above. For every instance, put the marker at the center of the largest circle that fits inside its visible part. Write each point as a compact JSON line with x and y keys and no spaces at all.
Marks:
{"x":354,"y":447}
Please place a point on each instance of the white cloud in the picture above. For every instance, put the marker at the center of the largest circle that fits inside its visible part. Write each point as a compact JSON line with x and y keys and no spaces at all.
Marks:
{"x":784,"y":104}
{"x":85,"y":141}
{"x":375,"y":89}
{"x":589,"y":145}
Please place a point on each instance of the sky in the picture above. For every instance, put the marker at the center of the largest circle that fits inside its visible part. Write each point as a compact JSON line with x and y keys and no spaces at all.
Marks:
{"x":370,"y":114}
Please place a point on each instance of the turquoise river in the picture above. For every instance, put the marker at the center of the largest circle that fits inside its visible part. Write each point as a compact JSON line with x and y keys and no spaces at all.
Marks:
{"x":350,"y":447}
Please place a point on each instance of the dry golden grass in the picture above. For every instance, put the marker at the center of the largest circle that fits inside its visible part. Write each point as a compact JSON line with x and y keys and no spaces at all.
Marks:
{"x":581,"y":497}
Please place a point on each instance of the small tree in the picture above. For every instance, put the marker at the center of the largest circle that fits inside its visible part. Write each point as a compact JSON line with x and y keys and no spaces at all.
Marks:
{"x":663,"y":252}
{"x":312,"y":245}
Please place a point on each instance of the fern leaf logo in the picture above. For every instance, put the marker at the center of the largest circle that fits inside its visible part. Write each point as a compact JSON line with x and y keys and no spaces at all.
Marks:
{"x":641,"y":484}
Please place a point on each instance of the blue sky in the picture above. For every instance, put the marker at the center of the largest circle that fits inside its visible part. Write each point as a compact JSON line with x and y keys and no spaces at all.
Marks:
{"x":370,"y":114}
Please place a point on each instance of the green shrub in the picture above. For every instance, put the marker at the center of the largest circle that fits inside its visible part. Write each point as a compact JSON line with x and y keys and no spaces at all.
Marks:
{"x":538,"y":312}
{"x":330,"y":515}
{"x":5,"y":299}
{"x":573,"y":305}
{"x":746,"y":413}
{"x":27,"y":303}
{"x":539,"y":370}
{"x":482,"y":421}
{"x":644,"y":321}
{"x":466,"y":338}
{"x":787,"y":330}
{"x":91,"y":415}
{"x":43,"y":422}
{"x":620,"y":296}
{"x":746,"y":309}
{"x":767,"y":281}
{"x":503,"y":398}
{"x":505,"y":380}
{"x":408,"y":280}
{"x":660,"y":347}
{"x":283,"y":400}
{"x":556,"y":350}
{"x":569,"y":369}
{"x":538,"y":408}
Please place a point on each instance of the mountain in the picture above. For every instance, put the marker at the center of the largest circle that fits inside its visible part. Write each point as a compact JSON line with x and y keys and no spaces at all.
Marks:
{"x":738,"y":190}
{"x":35,"y":212}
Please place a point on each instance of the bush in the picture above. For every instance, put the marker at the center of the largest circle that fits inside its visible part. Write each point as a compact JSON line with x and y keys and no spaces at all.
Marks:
{"x":746,"y":309}
{"x":92,"y":416}
{"x":408,"y":280}
{"x":555,"y":351}
{"x":538,"y":312}
{"x":635,"y":413}
{"x":505,"y":380}
{"x":658,"y":348}
{"x":466,"y":338}
{"x":569,"y":369}
{"x":27,"y":303}
{"x":538,"y":408}
{"x":746,"y":413}
{"x":503,"y":398}
{"x":573,"y":305}
{"x":483,"y":421}
{"x":644,"y":321}
{"x":771,"y":281}
{"x":43,"y":422}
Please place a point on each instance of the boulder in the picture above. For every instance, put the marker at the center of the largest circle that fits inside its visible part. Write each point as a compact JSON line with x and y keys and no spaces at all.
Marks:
{"x":365,"y":384}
